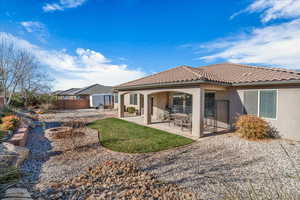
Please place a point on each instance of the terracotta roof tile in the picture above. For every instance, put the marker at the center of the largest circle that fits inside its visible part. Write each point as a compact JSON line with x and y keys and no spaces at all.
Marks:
{"x":237,"y":73}
{"x":224,"y":73}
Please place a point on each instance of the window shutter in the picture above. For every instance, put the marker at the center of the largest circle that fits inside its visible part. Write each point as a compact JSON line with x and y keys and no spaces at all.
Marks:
{"x":268,"y":101}
{"x":251,"y":102}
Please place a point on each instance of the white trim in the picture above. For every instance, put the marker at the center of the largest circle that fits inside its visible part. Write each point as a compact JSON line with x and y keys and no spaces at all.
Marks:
{"x":258,"y":107}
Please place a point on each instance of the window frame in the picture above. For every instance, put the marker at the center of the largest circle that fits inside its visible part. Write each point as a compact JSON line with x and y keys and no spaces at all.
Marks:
{"x":116,"y":98}
{"x":258,"y":107}
{"x":134,"y":99}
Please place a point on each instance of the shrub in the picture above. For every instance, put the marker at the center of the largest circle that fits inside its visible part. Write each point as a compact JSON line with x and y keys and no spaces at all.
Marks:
{"x":46,"y":107}
{"x":2,"y":134}
{"x":252,"y":127}
{"x":5,"y":111}
{"x":131,"y":109}
{"x":8,"y":177}
{"x":17,"y":101}
{"x":10,"y":122}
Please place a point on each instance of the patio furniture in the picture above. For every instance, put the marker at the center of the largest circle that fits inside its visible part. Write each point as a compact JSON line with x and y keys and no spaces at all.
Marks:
{"x":187,"y":122}
{"x":179,"y":119}
{"x":166,"y":116}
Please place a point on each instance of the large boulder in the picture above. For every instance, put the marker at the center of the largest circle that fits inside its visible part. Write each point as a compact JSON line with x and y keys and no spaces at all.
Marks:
{"x":11,"y":155}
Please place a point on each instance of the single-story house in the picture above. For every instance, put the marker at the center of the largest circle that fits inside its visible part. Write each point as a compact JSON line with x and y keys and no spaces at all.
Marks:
{"x":83,"y":93}
{"x":219,"y":92}
{"x":86,"y":97}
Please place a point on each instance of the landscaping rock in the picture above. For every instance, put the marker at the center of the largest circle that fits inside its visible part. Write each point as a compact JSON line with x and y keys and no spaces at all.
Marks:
{"x":17,"y":194}
{"x":11,"y":155}
{"x":115,"y":180}
{"x":20,"y":137}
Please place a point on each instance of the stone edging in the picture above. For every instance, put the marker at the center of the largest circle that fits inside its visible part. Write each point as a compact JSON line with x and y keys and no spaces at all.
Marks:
{"x":19,"y":138}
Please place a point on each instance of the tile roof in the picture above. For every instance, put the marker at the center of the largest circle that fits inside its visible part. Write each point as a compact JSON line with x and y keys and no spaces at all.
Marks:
{"x":229,"y":73}
{"x":92,"y":89}
{"x":71,"y":91}
{"x":238,"y":73}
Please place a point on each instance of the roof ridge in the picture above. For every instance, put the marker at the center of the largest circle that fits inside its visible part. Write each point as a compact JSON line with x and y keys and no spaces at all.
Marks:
{"x":190,"y":69}
{"x":181,"y":66}
{"x":87,"y":87}
{"x":266,"y":68}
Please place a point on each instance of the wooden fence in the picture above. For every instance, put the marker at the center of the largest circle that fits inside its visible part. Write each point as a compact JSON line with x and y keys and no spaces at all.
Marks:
{"x":72,"y":103}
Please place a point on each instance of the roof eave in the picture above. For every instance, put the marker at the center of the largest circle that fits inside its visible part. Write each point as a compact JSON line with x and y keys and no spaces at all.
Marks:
{"x":266,"y":83}
{"x":171,"y":84}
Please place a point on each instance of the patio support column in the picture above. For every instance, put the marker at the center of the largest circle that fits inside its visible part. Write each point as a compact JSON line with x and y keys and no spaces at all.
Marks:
{"x":198,"y":112}
{"x":121,"y":106}
{"x":147,"y":116}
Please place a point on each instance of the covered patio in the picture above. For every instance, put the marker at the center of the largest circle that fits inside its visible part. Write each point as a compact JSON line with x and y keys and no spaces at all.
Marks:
{"x":191,"y":112}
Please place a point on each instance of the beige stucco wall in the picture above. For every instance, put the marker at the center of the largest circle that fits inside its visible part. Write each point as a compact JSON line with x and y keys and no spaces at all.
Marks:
{"x":160,"y":101}
{"x":235,"y":103}
{"x":127,"y":101}
{"x":287,"y":122}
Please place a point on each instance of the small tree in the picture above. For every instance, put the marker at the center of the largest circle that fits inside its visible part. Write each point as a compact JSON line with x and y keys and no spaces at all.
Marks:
{"x":20,"y":71}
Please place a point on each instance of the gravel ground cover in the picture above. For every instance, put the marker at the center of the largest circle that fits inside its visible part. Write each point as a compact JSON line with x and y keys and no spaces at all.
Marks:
{"x":215,"y":164}
{"x":207,"y":168}
{"x":88,"y":115}
{"x":115,"y":180}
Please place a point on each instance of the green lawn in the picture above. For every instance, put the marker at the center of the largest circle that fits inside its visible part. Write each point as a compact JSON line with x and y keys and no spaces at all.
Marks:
{"x":122,"y":136}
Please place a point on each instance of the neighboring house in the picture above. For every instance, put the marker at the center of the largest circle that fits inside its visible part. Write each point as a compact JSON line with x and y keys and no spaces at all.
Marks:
{"x":88,"y":94}
{"x":220,"y":92}
{"x":83,"y":93}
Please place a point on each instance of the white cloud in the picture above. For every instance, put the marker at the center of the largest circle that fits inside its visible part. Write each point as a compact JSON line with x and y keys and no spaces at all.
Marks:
{"x":52,"y":7}
{"x":31,"y":26}
{"x":274,"y":45}
{"x":83,"y":68}
{"x":62,"y":5}
{"x":273,"y":9}
{"x":36,"y":28}
{"x":277,"y":44}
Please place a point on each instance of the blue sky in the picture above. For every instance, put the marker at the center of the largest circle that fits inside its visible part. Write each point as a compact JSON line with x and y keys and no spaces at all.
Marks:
{"x":81,"y":42}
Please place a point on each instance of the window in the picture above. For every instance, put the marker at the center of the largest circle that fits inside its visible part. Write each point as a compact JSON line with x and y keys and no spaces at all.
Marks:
{"x":133,"y":99}
{"x":251,"y":102}
{"x":261,"y":103}
{"x":116,"y":98}
{"x":181,"y":103}
{"x":268,"y":101}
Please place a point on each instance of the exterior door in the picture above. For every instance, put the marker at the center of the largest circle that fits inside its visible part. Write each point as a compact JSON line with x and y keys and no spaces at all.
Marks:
{"x":151,"y":105}
{"x":210,"y":102}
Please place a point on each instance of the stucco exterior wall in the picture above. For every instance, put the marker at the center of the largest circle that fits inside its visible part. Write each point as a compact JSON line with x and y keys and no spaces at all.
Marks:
{"x":287,"y":122}
{"x":160,"y":101}
{"x":127,"y":101}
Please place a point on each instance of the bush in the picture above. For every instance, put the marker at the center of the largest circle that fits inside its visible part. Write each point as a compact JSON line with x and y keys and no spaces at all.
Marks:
{"x":17,"y":101}
{"x":2,"y":134}
{"x":8,"y":177}
{"x":5,"y":111}
{"x":10,"y":122}
{"x":131,"y":109}
{"x":252,"y":127}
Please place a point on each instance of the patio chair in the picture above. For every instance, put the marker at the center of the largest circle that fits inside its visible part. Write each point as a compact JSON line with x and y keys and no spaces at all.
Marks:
{"x":187,"y":122}
{"x":166,"y":117}
{"x":178,"y":122}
